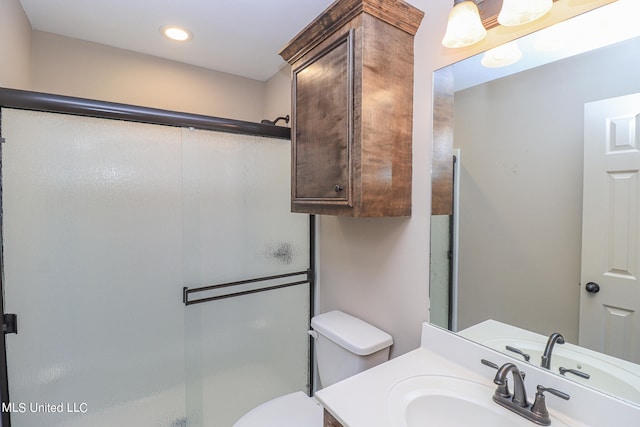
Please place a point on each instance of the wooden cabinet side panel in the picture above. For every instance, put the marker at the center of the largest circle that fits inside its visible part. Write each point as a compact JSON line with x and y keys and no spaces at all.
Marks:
{"x":330,"y":421}
{"x":387,"y":119}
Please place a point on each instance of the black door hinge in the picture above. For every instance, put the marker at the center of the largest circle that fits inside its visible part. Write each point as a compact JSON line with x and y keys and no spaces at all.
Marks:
{"x":10,"y":323}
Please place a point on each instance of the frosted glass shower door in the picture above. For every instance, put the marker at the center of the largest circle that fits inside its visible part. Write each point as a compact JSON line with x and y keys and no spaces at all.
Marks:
{"x":243,"y":350}
{"x":104,"y":223}
{"x":92,"y":230}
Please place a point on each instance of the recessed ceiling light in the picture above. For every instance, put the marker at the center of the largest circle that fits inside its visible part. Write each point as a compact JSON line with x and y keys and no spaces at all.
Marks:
{"x":176,"y":33}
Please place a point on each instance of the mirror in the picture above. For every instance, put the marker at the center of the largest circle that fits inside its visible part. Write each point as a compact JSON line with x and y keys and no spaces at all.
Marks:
{"x":507,"y":264}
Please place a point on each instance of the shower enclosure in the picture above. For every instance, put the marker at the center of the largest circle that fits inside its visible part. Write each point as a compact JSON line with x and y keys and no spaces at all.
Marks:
{"x":155,"y":271}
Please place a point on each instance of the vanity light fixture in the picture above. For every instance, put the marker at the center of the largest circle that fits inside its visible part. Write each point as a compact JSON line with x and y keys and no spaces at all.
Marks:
{"x":464,"y":27}
{"x":176,"y":33}
{"x":501,"y":56}
{"x":555,"y":38}
{"x":468,"y":24}
{"x":518,"y":12}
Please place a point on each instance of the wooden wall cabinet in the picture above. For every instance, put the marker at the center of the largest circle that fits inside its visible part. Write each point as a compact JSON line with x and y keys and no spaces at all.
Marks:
{"x":352,"y":109}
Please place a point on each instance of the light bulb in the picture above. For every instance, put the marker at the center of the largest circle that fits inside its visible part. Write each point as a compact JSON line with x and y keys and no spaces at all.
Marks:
{"x":501,"y":56}
{"x":518,"y":12}
{"x":464,"y":27}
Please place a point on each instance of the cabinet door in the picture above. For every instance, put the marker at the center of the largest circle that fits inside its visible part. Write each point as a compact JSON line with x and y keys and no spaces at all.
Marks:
{"x":323,"y":108}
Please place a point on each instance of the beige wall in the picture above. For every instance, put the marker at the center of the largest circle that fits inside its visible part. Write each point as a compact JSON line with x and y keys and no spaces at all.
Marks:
{"x":278,"y":95}
{"x":521,"y":188}
{"x":43,"y":62}
{"x":15,"y":46}
{"x":378,"y":269}
{"x":67,"y":66}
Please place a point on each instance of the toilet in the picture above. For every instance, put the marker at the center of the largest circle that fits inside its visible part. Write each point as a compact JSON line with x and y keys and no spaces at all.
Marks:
{"x":344,"y":346}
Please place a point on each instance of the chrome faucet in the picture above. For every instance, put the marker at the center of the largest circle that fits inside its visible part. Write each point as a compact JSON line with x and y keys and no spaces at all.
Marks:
{"x":546,"y":356}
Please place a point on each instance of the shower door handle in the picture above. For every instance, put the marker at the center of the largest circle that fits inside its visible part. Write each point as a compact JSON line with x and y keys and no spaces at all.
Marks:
{"x":10,"y":323}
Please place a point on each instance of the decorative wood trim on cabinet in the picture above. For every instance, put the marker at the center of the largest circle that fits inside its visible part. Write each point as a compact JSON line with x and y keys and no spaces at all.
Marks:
{"x":321,"y":172}
{"x":489,"y":10}
{"x":442,"y":152}
{"x":352,"y":109}
{"x":394,"y":12}
{"x":330,"y":421}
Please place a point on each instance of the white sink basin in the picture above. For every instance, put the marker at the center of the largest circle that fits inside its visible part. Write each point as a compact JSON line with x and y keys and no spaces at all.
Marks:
{"x":445,"y":401}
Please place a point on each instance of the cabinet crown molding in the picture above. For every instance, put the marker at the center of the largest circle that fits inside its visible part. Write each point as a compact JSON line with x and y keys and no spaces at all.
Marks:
{"x":397,"y":13}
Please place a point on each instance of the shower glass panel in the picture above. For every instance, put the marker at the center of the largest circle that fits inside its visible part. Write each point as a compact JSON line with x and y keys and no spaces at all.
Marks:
{"x":440,"y":271}
{"x":243,"y":350}
{"x":92,"y":229}
{"x":104,"y":222}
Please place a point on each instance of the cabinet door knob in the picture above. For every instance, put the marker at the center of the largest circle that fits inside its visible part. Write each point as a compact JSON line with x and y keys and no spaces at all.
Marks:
{"x":338,"y":188}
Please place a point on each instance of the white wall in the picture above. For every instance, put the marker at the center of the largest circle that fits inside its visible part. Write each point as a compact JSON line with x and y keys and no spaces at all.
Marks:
{"x":15,"y":46}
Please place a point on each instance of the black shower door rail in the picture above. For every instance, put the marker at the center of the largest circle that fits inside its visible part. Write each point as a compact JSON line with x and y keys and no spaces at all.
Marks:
{"x":267,"y":283}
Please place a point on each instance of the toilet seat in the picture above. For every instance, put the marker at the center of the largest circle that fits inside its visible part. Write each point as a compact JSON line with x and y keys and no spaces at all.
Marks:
{"x":291,"y":410}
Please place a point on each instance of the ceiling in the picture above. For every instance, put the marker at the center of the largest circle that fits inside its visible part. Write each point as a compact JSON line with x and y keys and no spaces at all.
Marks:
{"x":240,"y":37}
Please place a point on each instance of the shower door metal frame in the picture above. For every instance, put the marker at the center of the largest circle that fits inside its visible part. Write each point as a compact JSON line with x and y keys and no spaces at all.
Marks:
{"x":36,"y":101}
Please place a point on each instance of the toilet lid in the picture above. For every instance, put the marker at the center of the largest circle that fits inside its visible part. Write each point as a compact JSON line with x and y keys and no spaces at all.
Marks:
{"x":291,"y":410}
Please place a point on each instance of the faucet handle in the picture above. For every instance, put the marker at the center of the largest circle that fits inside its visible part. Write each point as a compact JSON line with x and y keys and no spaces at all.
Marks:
{"x":526,"y":356}
{"x":503,"y":388}
{"x":560,"y":394}
{"x":580,"y":374}
{"x":489,"y":363}
{"x":539,"y":407}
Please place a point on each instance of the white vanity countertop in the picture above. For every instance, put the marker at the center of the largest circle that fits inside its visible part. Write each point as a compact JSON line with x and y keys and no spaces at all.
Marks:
{"x":361,"y":401}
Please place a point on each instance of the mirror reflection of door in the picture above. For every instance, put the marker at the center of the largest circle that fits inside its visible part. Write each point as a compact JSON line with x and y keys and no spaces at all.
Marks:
{"x":610,"y":283}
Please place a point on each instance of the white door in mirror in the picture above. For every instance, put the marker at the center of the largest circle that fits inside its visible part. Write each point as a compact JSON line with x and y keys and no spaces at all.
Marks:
{"x":610,"y":273}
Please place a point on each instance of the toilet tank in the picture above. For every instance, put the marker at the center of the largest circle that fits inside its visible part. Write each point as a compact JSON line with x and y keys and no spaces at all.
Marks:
{"x":346,"y":345}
